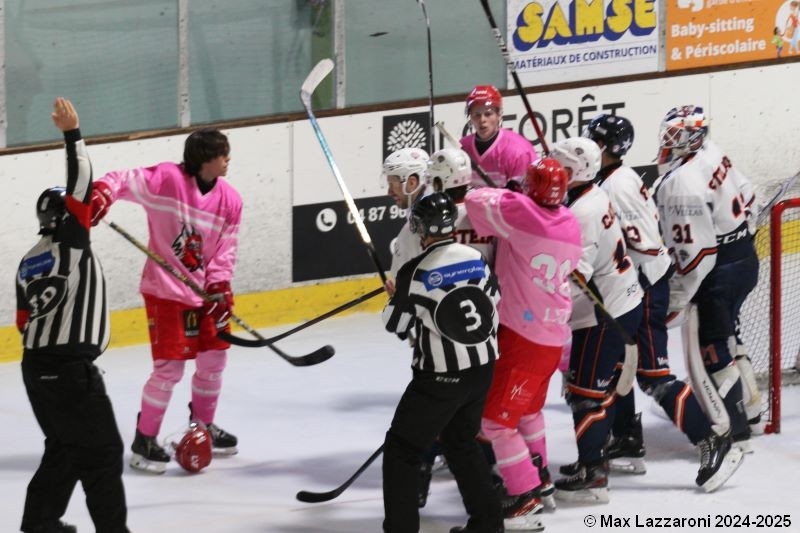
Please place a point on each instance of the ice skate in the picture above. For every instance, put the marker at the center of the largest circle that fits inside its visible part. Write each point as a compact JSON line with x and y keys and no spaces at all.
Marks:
{"x":223,"y":442}
{"x":57,"y":527}
{"x":719,"y":459}
{"x":546,"y":489}
{"x":519,"y":512}
{"x":626,"y":453}
{"x":148,"y":455}
{"x":588,"y":485}
{"x":472,"y":528}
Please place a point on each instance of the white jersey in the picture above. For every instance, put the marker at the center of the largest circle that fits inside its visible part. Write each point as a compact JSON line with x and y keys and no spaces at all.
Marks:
{"x":706,"y":214}
{"x":638,"y":216}
{"x":604,"y":263}
{"x":406,"y":246}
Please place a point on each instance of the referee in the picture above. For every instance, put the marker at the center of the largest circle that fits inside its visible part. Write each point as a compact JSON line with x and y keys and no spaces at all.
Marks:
{"x":446,"y":298}
{"x":63,"y":317}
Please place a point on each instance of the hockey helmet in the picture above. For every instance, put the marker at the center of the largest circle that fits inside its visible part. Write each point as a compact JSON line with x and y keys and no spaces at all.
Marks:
{"x":579,"y":156}
{"x":434,"y":215}
{"x":484,"y":95}
{"x":683,"y":131}
{"x":51,"y":208}
{"x":615,"y":132}
{"x":193,"y":452}
{"x":547,"y":182}
{"x":452,"y":167}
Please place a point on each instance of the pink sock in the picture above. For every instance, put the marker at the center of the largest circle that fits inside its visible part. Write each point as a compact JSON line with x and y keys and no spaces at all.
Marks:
{"x":513,"y":458}
{"x":531,"y":427}
{"x":207,"y":384}
{"x":157,"y":394}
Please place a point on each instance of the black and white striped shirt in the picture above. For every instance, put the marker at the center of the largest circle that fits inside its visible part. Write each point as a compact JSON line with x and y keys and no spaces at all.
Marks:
{"x":60,"y":283}
{"x":448,"y":295}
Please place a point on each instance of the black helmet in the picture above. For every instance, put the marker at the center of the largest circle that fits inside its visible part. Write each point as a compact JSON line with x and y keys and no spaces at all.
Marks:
{"x":50,"y":209}
{"x":434,"y":215}
{"x":615,"y":132}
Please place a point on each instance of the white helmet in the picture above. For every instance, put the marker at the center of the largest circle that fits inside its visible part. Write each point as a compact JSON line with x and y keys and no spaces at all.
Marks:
{"x":405,"y":162}
{"x":579,"y":155}
{"x":452,"y":167}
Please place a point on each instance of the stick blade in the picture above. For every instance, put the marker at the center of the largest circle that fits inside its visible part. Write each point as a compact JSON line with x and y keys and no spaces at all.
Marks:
{"x":314,"y":78}
{"x":316,"y":497}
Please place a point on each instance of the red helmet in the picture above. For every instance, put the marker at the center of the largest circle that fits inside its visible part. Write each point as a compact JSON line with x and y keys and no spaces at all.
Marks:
{"x":484,"y":95}
{"x":547,"y":182}
{"x":193,"y":452}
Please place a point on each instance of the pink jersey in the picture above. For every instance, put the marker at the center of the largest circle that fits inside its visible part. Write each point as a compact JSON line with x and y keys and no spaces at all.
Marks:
{"x":537,"y":248}
{"x":195,"y":233}
{"x":508,"y":157}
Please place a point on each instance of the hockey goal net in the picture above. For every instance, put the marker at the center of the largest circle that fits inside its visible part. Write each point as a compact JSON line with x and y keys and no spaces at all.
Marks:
{"x":770,"y":317}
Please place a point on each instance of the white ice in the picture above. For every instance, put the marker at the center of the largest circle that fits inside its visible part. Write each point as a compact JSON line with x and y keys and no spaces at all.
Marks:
{"x":312,"y":427}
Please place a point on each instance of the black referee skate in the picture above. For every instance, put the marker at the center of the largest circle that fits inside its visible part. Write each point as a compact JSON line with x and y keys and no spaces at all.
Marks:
{"x":222,"y":442}
{"x":719,"y":459}
{"x":148,"y":456}
{"x":57,"y":527}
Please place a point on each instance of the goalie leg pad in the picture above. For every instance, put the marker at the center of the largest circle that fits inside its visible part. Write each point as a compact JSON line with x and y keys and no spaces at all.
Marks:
{"x":704,"y":388}
{"x":752,"y":396}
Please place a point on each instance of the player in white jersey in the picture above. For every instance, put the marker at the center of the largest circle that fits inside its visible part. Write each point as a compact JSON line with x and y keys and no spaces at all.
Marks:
{"x":406,"y":174}
{"x":706,"y":206}
{"x":597,"y":346}
{"x":450,"y":171}
{"x":638,"y":216}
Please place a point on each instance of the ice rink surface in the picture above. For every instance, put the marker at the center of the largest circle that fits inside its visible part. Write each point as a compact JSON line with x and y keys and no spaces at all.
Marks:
{"x":310,"y":428}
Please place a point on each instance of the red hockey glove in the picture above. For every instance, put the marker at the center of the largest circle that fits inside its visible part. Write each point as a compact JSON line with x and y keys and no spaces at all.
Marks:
{"x":101,"y":201}
{"x":221,"y":304}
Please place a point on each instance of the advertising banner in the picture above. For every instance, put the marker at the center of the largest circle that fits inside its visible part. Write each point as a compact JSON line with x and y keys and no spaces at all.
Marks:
{"x":555,"y":41}
{"x":717,"y":32}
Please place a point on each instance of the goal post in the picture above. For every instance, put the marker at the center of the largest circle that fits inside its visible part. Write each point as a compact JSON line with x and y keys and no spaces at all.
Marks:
{"x":770,"y":317}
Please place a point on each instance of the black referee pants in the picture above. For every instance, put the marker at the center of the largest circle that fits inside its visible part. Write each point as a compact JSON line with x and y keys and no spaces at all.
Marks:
{"x":448,"y":406}
{"x":82,"y":443}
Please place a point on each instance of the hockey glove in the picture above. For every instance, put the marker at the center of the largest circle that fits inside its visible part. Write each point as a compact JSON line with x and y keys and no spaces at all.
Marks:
{"x":101,"y":201}
{"x":514,"y":185}
{"x":220,"y":305}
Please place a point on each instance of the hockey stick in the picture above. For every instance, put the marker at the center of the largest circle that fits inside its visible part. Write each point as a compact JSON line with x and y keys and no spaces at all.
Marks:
{"x":319,"y":497}
{"x":431,"y":120}
{"x":256,"y":343}
{"x":498,"y":37}
{"x":314,"y":78}
{"x":315,"y":357}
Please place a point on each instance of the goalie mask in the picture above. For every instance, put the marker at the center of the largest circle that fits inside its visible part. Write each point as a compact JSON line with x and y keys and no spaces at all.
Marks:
{"x":451,"y":167}
{"x":547,"y":182}
{"x":434,"y":215}
{"x":193,"y":452}
{"x":51,"y":208}
{"x":616,"y":133}
{"x":683,"y":131}
{"x":579,"y":156}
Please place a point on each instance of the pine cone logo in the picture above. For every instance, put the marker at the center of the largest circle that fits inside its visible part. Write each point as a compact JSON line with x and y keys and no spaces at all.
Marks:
{"x":406,"y":134}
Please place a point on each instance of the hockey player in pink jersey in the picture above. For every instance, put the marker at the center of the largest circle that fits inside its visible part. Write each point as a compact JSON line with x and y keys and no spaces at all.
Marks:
{"x":193,"y":216}
{"x":502,"y":153}
{"x":538,"y":245}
